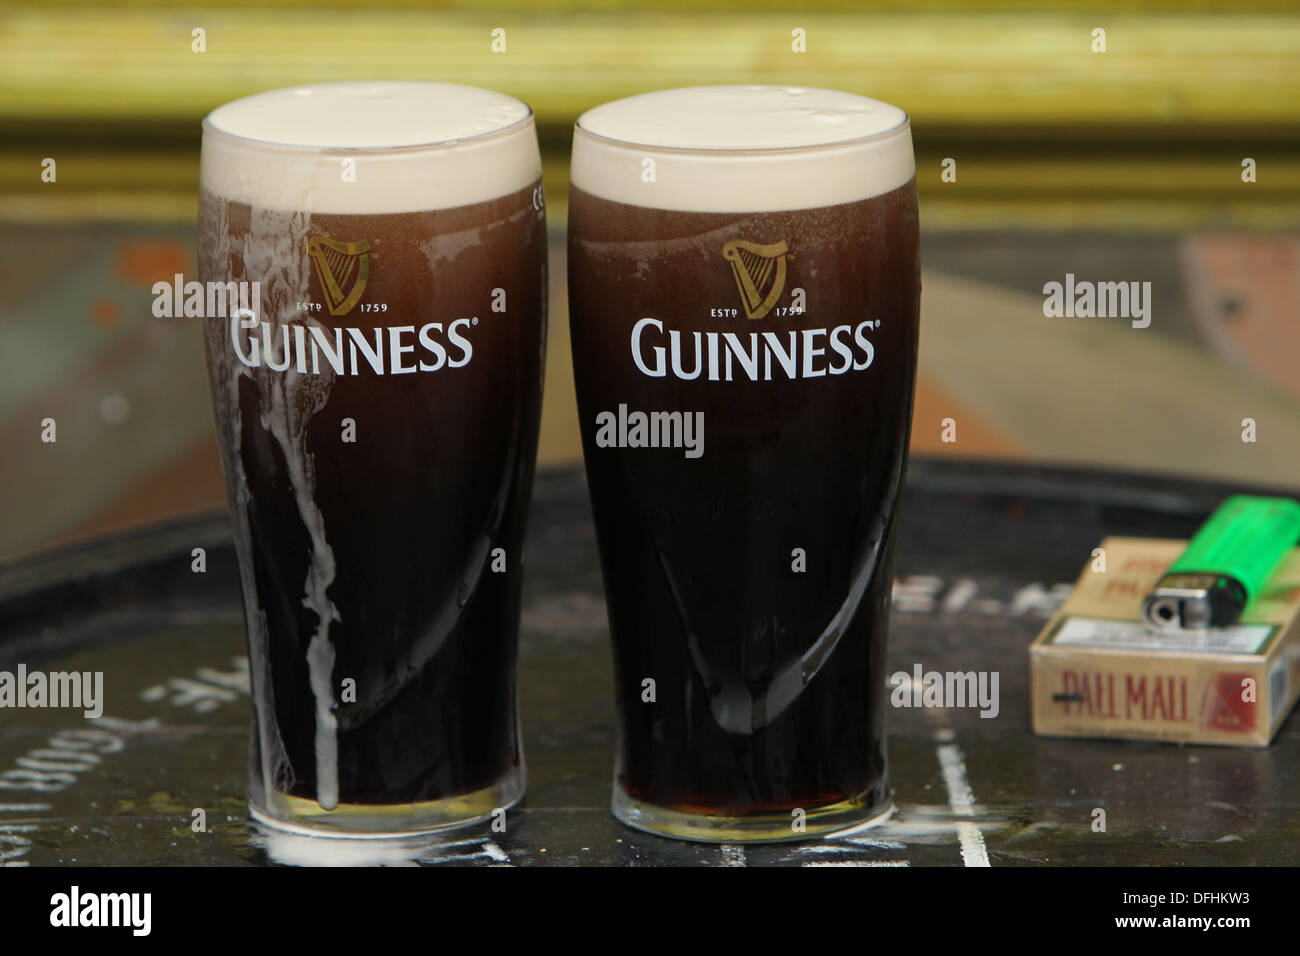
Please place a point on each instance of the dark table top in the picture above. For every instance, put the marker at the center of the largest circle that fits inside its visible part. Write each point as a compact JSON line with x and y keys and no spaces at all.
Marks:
{"x":986,"y":554}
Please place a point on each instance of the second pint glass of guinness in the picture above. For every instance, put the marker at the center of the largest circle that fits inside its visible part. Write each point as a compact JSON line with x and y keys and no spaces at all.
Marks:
{"x":744,"y":285}
{"x":373,"y":259}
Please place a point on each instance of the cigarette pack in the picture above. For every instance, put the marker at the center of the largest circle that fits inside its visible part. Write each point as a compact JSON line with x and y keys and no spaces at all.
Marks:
{"x":1098,"y":669}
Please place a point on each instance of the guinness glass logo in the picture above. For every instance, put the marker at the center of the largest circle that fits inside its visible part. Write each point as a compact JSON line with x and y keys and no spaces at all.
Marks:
{"x":342,"y":268}
{"x":760,"y":273}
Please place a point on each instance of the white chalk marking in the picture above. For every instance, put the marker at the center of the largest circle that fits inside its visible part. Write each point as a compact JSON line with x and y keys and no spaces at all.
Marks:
{"x":468,"y":841}
{"x":959,"y":596}
{"x":878,"y":843}
{"x":824,"y":848}
{"x":732,"y":855}
{"x":962,"y":801}
{"x":856,"y":863}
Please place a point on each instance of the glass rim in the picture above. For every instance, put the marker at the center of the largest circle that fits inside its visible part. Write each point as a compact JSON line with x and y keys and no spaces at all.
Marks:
{"x":271,"y":145}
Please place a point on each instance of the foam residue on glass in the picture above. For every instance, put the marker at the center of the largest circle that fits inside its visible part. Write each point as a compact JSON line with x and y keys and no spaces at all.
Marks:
{"x":290,"y":400}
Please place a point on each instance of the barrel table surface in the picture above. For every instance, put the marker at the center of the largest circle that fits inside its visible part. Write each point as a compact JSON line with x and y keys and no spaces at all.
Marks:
{"x":986,"y":554}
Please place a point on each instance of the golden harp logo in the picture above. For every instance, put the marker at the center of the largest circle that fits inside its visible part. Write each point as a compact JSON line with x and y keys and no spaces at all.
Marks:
{"x":760,"y":273}
{"x":342,"y":268}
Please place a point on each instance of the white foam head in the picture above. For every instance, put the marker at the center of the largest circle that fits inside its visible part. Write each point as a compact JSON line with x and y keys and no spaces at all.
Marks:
{"x":416,"y":146}
{"x":742,"y":149}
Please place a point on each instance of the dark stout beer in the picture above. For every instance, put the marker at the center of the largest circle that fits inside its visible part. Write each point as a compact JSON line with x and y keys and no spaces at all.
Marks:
{"x":378,"y":419}
{"x":745,"y":380}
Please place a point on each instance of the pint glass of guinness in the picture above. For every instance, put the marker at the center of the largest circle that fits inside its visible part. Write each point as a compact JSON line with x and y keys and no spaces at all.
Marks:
{"x":377,"y":395}
{"x":744,"y":285}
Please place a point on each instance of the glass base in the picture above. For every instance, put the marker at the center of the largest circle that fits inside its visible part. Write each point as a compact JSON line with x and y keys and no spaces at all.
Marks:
{"x":778,"y":826}
{"x":385,"y":821}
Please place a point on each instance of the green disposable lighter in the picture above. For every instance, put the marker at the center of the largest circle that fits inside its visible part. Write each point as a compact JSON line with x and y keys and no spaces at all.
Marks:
{"x":1226,"y":564}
